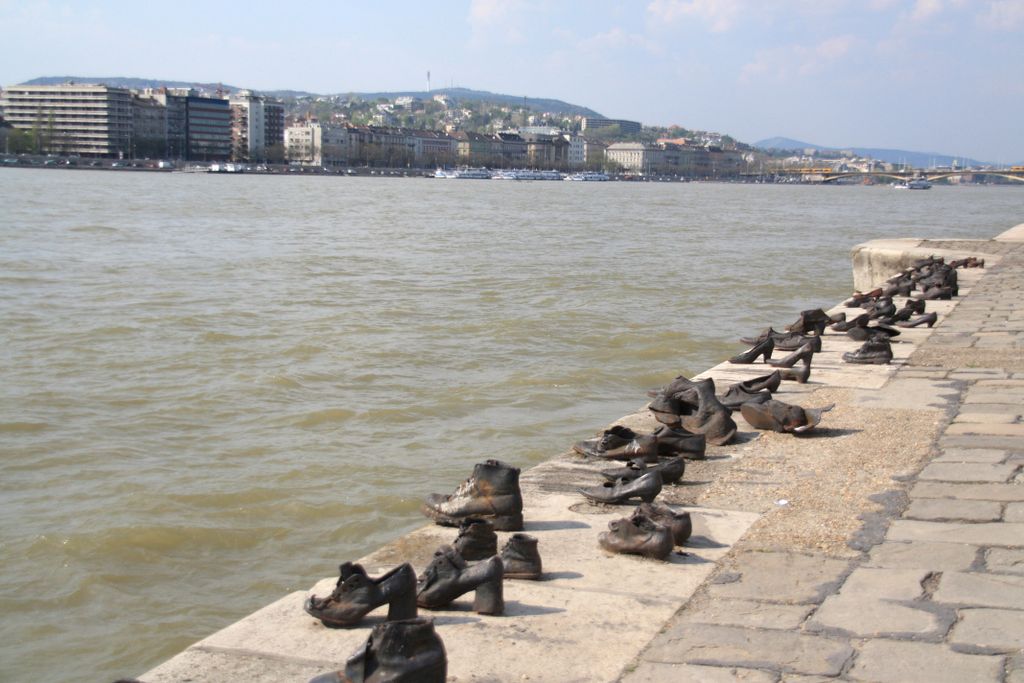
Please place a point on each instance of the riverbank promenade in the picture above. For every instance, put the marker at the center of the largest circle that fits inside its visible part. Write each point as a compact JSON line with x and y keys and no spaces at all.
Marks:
{"x":887,"y":544}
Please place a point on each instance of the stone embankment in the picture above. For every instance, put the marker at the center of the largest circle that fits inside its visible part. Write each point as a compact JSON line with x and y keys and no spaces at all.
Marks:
{"x":885,"y":545}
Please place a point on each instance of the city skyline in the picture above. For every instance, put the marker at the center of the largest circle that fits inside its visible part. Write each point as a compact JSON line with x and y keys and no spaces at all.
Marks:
{"x":925,"y":75}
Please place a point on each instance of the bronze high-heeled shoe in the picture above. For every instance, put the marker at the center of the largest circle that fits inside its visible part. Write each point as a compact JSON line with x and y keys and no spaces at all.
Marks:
{"x":357,"y":594}
{"x":926,"y":319}
{"x":804,"y":353}
{"x":447,"y":577}
{"x":764,"y":348}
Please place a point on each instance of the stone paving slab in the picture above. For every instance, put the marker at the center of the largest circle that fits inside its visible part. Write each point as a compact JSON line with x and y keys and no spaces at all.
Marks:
{"x":868,"y":617}
{"x":891,"y":661}
{"x":923,"y":555}
{"x":985,"y":455}
{"x":994,"y":533}
{"x":781,"y":577}
{"x":992,"y":629}
{"x":751,"y":648}
{"x":968,"y":472}
{"x":1005,"y":561}
{"x":981,"y":590}
{"x":998,"y":492}
{"x":942,"y":510}
{"x":748,"y":613}
{"x":207,"y":664}
{"x":657,"y":672}
{"x":1014,"y":512}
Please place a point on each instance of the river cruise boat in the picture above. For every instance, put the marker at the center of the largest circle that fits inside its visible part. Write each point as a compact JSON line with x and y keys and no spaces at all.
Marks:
{"x":588,"y":176}
{"x":915,"y":184}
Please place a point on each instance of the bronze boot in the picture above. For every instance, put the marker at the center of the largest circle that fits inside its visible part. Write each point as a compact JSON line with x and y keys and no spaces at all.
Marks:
{"x":403,"y":651}
{"x":710,"y":417}
{"x":521,"y":558}
{"x":492,"y":493}
{"x":476,"y":539}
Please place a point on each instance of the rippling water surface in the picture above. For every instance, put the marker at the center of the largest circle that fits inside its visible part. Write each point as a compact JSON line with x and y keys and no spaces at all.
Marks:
{"x":215,"y":389}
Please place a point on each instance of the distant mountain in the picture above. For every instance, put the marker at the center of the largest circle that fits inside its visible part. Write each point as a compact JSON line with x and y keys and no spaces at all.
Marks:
{"x":534,"y":103}
{"x":891,"y":156}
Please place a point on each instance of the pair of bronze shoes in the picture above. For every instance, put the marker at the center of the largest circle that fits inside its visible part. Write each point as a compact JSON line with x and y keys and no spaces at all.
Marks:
{"x":520,"y":557}
{"x":646,"y":487}
{"x":651,"y":531}
{"x":622,"y":443}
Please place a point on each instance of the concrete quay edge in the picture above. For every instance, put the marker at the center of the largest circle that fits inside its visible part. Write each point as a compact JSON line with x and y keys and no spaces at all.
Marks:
{"x":759,"y":594}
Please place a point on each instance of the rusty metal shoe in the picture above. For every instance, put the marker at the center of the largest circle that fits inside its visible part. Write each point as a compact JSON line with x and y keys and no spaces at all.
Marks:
{"x":402,"y":651}
{"x":873,"y":352}
{"x":765,"y":334}
{"x":799,"y":375}
{"x":357,"y":594}
{"x":880,"y":331}
{"x":926,"y":319}
{"x":679,"y":523}
{"x":763,"y":383}
{"x":803,"y":354}
{"x":645,"y":487}
{"x":447,"y":577}
{"x":521,"y":558}
{"x":783,"y":417}
{"x":492,"y":493}
{"x":476,"y":539}
{"x":735,"y":396}
{"x":812,"y":321}
{"x":671,"y":470}
{"x":860,"y":321}
{"x":764,"y":349}
{"x":709,"y":417}
{"x":637,"y":536}
{"x":622,"y":443}
{"x":794,"y":341}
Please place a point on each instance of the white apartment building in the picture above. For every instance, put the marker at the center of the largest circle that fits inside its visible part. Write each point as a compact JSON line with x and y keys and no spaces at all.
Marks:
{"x":91,"y":120}
{"x":313,"y":144}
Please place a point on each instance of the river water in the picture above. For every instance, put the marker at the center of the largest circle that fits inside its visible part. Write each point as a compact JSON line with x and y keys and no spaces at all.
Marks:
{"x":216,"y":388}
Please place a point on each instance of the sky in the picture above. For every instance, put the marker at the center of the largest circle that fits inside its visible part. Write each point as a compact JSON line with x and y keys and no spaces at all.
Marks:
{"x":939,"y":76}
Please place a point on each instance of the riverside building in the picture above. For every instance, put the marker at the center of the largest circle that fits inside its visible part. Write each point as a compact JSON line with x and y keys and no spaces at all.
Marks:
{"x":85,"y":120}
{"x":256,"y":124}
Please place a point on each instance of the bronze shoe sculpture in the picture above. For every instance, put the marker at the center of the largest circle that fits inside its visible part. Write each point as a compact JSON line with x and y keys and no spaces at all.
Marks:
{"x":679,"y":523}
{"x":637,"y":536}
{"x":794,"y":341}
{"x":521,"y":558}
{"x":764,"y":349}
{"x":860,"y":321}
{"x":873,"y":352}
{"x":645,"y":487}
{"x":492,"y":493}
{"x":704,"y":414}
{"x":622,"y":443}
{"x":763,"y":383}
{"x":879,"y":331}
{"x":735,"y":396}
{"x":799,"y":375}
{"x":447,"y":577}
{"x":783,"y":417}
{"x":926,"y":319}
{"x":671,"y":470}
{"x":403,"y":651}
{"x":803,"y":354}
{"x":812,"y":321}
{"x":765,"y":334}
{"x":356,"y":594}
{"x":476,"y":539}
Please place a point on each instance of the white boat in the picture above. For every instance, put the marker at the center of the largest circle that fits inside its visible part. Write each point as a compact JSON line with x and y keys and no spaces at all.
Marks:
{"x":442,"y":173}
{"x":914,"y":184}
{"x":550,"y":175}
{"x":472,"y":174}
{"x":504,"y":175}
{"x":588,"y":176}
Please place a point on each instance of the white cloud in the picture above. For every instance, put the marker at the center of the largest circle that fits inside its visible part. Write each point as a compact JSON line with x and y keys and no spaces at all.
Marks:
{"x":782,"y":63}
{"x":925,"y":9}
{"x":496,"y":20}
{"x":1003,"y":15}
{"x":719,"y":15}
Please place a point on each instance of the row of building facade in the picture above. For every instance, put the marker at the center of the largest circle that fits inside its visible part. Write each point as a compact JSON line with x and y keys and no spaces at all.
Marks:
{"x":103,"y":121}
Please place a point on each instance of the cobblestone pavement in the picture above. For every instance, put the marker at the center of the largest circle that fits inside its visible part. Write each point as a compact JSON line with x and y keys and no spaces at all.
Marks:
{"x":936,"y":592}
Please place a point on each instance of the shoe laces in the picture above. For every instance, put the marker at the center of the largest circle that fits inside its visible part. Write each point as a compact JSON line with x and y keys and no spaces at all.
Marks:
{"x":465,"y":488}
